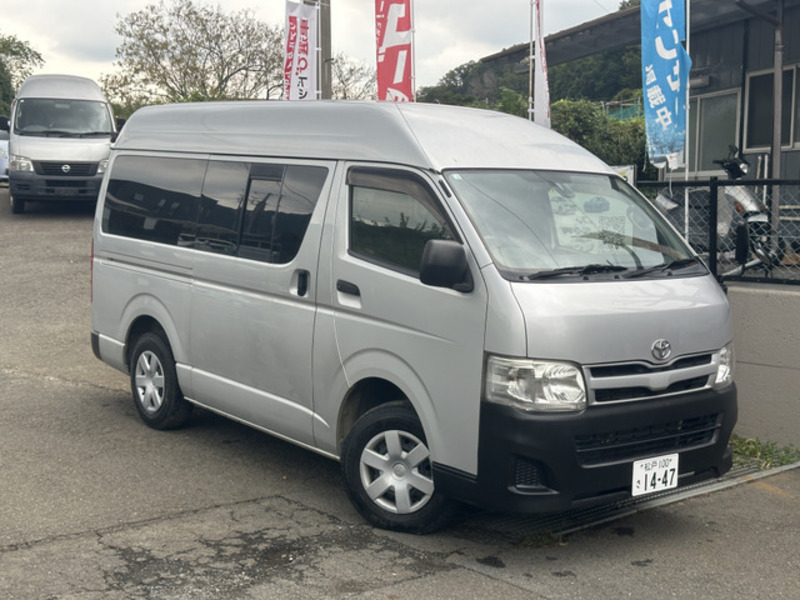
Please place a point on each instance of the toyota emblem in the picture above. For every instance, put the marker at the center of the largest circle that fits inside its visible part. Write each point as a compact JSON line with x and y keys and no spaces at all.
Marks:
{"x":65,"y":169}
{"x":661,"y":349}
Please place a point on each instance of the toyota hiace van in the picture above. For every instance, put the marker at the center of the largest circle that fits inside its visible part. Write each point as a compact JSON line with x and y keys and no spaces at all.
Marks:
{"x":456,"y":304}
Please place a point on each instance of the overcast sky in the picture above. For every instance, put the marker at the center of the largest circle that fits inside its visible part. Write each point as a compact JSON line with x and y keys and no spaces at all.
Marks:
{"x":78,"y":38}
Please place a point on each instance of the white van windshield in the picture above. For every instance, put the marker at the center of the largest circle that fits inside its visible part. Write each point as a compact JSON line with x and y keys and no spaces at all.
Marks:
{"x":545,"y":225}
{"x":56,"y":117}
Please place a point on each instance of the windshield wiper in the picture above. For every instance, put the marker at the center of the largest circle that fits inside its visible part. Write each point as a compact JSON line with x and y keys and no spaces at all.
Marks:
{"x":580,"y":271}
{"x":58,"y":133}
{"x":93,"y":133}
{"x":674,"y":265}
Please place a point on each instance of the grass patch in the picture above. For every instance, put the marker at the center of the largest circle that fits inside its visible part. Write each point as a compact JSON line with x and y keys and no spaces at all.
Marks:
{"x":766,"y":455}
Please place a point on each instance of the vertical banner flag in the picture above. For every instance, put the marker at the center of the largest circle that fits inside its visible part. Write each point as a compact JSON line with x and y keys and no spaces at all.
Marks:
{"x":394,"y":41}
{"x":541,"y":89}
{"x":300,"y":64}
{"x":665,"y":76}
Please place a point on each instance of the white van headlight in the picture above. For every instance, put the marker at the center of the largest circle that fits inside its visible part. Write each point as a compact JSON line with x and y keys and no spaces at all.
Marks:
{"x":725,"y":367}
{"x":102,"y":166}
{"x":20,"y":163}
{"x":535,"y":385}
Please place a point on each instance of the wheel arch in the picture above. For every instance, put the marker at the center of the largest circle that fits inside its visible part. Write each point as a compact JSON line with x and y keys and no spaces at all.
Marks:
{"x":146,"y":313}
{"x":380,"y":378}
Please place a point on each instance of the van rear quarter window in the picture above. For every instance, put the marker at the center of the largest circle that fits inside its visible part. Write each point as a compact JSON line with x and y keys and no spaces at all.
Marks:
{"x":256,"y":211}
{"x":154,"y":199}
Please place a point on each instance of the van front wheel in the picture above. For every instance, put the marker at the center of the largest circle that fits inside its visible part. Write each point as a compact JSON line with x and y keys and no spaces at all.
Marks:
{"x":386,"y":466}
{"x":154,"y":384}
{"x":17,"y":204}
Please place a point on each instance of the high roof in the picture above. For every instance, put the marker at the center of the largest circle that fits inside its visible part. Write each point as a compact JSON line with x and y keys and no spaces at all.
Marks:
{"x":60,"y":86}
{"x":427,"y":136}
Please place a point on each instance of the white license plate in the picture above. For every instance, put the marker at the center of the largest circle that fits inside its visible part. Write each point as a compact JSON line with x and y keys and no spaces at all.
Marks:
{"x":655,"y":474}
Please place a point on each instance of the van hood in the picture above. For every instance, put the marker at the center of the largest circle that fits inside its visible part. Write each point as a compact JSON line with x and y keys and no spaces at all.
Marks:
{"x":52,"y":149}
{"x":618,"y":321}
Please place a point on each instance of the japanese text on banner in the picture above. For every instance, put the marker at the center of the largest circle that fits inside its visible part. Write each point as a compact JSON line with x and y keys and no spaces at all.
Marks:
{"x":300,"y":63}
{"x":395,"y":59}
{"x":665,"y":76}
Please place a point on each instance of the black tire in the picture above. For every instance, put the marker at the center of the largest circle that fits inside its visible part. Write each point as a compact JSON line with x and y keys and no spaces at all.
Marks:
{"x":17,"y":204}
{"x":154,"y":384}
{"x":386,"y":451}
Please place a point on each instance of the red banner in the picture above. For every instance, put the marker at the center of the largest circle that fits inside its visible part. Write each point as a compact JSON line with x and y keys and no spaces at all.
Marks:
{"x":394,"y":40}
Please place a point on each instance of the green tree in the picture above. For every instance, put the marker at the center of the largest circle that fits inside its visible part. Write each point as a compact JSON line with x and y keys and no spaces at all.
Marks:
{"x":615,"y":142}
{"x":17,"y":60}
{"x":181,"y":51}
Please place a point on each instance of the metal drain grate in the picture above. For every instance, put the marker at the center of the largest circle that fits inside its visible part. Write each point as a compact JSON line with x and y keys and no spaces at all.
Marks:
{"x":514,"y":528}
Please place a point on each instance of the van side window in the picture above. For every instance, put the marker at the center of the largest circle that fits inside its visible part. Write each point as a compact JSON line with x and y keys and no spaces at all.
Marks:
{"x":393,"y":214}
{"x":280,"y":201}
{"x":154,"y":199}
{"x":220,"y":207}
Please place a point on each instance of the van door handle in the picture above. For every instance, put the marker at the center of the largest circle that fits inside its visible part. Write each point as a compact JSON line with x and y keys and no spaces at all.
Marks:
{"x":347,"y":288}
{"x":302,"y":282}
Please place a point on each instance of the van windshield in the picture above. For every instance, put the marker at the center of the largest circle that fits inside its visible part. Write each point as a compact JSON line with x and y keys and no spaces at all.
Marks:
{"x":544,"y":225}
{"x":56,"y":117}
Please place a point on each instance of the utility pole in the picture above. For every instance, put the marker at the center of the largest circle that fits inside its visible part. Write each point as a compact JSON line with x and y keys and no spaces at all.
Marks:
{"x":326,"y":60}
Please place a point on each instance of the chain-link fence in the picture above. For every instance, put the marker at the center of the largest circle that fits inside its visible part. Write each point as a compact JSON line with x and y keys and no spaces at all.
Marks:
{"x":721,"y":206}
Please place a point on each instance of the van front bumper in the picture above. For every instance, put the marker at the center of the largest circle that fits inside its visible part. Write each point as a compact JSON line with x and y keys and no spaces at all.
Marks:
{"x":51,"y":188}
{"x":540,"y":463}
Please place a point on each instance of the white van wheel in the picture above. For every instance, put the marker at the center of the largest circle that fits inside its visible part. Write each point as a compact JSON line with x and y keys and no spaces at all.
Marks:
{"x":17,"y":204}
{"x":154,"y":384}
{"x":387,"y":471}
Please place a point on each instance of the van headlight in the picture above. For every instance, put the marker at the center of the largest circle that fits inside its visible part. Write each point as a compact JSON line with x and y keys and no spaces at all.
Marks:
{"x":535,"y":385}
{"x":725,"y":367}
{"x":102,"y":166}
{"x":20,"y":163}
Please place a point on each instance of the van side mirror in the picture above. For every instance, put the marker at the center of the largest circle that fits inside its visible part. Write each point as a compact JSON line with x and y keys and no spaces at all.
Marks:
{"x":4,"y":125}
{"x":444,"y":264}
{"x":742,"y":243}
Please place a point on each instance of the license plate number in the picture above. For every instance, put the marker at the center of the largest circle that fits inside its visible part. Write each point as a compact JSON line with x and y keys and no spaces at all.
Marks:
{"x":655,"y":474}
{"x":66,"y":191}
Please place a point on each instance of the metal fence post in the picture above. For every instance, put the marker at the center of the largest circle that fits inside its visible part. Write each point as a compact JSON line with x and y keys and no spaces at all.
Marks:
{"x":712,"y":225}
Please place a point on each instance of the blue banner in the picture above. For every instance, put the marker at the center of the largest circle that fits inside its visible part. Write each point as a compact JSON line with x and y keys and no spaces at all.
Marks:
{"x":665,"y":77}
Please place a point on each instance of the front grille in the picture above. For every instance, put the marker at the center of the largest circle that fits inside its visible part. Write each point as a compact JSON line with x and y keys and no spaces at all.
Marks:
{"x":52,"y":169}
{"x":641,"y":393}
{"x":625,"y":369}
{"x":641,"y":380}
{"x":628,"y":444}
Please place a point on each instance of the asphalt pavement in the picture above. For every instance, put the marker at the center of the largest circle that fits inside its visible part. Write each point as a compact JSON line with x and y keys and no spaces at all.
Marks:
{"x":94,"y":505}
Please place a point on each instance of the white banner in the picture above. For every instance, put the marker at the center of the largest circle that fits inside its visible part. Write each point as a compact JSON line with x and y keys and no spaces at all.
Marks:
{"x":541,"y":88}
{"x":300,"y":64}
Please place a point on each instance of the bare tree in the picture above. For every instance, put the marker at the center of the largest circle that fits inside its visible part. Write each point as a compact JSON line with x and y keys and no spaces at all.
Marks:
{"x":352,"y":79}
{"x":181,"y":51}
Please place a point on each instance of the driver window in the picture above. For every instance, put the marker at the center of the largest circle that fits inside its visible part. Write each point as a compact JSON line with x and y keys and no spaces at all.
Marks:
{"x":392,"y":217}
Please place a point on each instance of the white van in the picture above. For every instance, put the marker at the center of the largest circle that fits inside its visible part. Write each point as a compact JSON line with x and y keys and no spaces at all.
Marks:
{"x":456,"y":304}
{"x":60,"y":132}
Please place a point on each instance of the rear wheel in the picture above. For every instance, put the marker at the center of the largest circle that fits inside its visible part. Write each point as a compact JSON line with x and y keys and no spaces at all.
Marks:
{"x":154,"y":384}
{"x":387,"y":470}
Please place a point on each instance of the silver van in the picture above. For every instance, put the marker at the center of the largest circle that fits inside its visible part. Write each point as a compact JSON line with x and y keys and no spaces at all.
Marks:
{"x":456,"y":304}
{"x":60,"y":133}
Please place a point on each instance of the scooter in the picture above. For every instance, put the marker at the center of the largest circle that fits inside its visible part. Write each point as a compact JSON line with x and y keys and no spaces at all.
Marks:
{"x":737,"y":204}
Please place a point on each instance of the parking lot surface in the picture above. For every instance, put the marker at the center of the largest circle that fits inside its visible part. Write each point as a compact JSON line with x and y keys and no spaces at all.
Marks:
{"x":94,"y":505}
